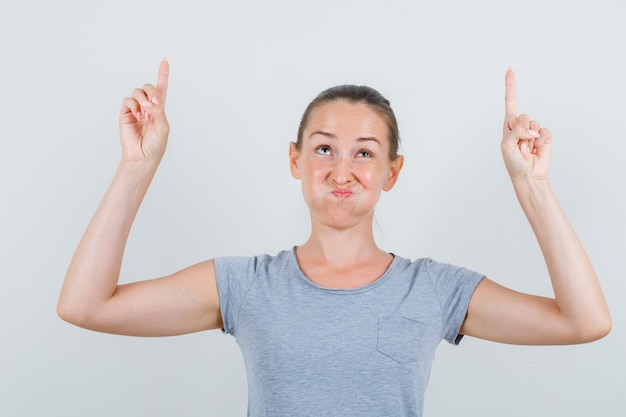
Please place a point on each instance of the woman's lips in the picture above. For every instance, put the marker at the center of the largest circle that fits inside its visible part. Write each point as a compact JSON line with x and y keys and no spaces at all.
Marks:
{"x":342,"y":193}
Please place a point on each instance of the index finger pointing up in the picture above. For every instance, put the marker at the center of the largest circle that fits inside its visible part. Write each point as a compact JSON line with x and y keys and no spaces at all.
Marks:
{"x":164,"y":72}
{"x":510,"y":95}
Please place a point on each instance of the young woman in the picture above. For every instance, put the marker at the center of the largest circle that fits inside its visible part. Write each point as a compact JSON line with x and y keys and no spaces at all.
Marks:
{"x":335,"y":326}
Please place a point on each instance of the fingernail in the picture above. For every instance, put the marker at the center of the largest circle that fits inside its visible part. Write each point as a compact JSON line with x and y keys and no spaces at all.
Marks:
{"x":145,"y":103}
{"x":154,"y":100}
{"x":533,"y":133}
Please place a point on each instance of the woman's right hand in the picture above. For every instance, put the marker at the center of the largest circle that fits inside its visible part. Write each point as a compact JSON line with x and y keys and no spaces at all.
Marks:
{"x":143,"y":125}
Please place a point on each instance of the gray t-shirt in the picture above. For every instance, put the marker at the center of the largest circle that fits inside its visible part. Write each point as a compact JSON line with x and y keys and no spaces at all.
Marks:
{"x":316,"y":351}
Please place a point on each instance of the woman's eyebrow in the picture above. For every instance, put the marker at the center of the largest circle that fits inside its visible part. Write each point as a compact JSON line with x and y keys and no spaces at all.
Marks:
{"x":333,"y":136}
{"x":368,"y":139}
{"x":323,"y":133}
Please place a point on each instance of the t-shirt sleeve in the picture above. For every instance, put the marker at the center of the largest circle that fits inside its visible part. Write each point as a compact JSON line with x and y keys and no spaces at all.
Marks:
{"x":235,"y":275}
{"x":455,"y":287}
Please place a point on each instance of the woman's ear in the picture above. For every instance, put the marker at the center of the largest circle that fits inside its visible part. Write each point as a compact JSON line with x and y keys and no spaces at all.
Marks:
{"x":294,"y":160}
{"x":394,"y":172}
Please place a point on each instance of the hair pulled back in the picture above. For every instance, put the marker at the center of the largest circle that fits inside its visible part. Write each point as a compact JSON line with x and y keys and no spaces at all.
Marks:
{"x":357,"y":94}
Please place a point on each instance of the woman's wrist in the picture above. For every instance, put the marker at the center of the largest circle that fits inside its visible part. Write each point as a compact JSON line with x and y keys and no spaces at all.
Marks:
{"x":533,"y":194}
{"x":137,"y":171}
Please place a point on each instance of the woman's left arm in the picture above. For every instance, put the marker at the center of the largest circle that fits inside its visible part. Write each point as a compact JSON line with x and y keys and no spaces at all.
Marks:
{"x":578,"y":312}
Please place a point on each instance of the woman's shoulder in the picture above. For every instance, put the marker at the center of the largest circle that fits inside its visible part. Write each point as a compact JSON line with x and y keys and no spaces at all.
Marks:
{"x":254,"y":262}
{"x":433,"y":269}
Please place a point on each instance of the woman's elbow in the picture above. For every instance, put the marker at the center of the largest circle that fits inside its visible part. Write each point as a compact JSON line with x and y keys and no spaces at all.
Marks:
{"x":595,"y":329}
{"x":81,"y":316}
{"x":604,"y":327}
{"x":69,"y":313}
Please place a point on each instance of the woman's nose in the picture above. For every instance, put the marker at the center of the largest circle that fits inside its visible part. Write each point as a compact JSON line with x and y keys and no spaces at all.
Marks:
{"x":342,"y":171}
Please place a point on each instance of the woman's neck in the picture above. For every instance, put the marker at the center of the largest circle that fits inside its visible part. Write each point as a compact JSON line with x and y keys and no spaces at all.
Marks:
{"x":346,"y":258}
{"x":340,"y":246}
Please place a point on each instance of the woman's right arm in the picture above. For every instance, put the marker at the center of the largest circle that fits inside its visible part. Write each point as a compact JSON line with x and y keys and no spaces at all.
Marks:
{"x":184,"y":302}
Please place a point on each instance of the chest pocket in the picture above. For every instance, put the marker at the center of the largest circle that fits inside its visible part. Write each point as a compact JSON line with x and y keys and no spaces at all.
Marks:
{"x":400,"y":338}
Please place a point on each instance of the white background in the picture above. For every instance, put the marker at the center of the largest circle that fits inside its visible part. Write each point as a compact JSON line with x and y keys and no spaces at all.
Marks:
{"x":241,"y":74}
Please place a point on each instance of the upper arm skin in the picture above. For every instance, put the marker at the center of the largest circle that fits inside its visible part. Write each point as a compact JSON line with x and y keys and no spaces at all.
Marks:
{"x":184,"y":302}
{"x":502,"y":315}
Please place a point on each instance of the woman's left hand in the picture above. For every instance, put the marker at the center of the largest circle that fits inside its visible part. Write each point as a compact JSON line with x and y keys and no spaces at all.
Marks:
{"x":526,"y":146}
{"x":578,"y":313}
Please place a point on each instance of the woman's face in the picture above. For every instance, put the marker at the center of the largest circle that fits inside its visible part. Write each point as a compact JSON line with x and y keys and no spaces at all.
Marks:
{"x":343,"y":162}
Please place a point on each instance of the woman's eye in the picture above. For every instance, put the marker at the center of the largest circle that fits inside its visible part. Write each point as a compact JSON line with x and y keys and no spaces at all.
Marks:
{"x":365,"y":153}
{"x":323,"y":150}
